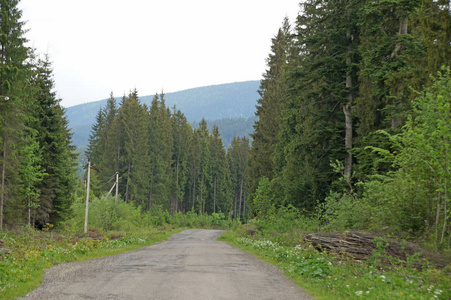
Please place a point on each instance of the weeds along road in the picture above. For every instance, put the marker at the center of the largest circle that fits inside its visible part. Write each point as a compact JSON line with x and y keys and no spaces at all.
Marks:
{"x":191,"y":265}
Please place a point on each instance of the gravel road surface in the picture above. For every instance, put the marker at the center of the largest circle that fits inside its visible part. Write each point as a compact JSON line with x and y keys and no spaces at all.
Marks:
{"x":191,"y":265}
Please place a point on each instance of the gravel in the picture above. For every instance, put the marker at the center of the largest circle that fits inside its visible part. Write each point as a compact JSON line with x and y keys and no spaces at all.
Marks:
{"x":191,"y":265}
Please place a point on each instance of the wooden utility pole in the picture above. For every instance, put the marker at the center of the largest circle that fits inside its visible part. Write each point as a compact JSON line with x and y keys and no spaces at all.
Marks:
{"x":117,"y":185}
{"x":214,"y":196}
{"x":177,"y":184}
{"x":87,"y":196}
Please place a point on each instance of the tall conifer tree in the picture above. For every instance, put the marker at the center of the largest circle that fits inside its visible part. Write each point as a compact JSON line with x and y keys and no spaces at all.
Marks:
{"x":160,"y":145}
{"x":273,"y":90}
{"x":136,"y":155}
{"x":13,"y":75}
{"x":58,"y":153}
{"x":237,"y":156}
{"x":181,"y":131}
{"x":220,"y":176}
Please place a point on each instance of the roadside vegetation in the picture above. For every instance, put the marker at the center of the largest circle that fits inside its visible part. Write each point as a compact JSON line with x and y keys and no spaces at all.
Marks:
{"x":385,"y":237}
{"x":281,"y":238}
{"x":346,"y":181}
{"x":25,"y":253}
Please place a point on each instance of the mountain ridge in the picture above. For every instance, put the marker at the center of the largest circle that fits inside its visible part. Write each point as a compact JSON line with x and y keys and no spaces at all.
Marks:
{"x":235,"y":100}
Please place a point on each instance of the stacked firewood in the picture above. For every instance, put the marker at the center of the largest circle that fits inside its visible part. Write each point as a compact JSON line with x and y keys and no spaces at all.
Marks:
{"x":356,"y":245}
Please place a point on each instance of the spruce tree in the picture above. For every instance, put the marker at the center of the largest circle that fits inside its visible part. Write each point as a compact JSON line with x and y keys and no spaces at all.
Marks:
{"x":136,"y":157}
{"x":385,"y":70}
{"x":237,"y":156}
{"x":205,"y":166}
{"x":220,"y":176}
{"x":194,"y":167}
{"x":95,"y":149}
{"x":318,"y":103}
{"x":32,"y":174}
{"x":58,"y":153}
{"x":181,"y":131}
{"x":273,"y":90}
{"x":160,"y":145}
{"x":107,"y":160}
{"x":14,"y":73}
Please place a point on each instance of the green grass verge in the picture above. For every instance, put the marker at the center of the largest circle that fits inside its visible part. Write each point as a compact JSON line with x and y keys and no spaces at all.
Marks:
{"x":327,"y":277}
{"x":31,"y":252}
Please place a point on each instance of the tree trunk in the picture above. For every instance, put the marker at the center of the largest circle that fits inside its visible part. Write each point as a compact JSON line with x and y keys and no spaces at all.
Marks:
{"x":445,"y":210}
{"x":29,"y":211}
{"x":152,"y":180}
{"x":437,"y":219}
{"x":87,"y":196}
{"x":117,"y":187}
{"x":348,"y":143}
{"x":244,"y":205}
{"x":403,"y":25}
{"x":194,"y":190}
{"x":127,"y":187}
{"x":214,"y":196}
{"x":149,"y":201}
{"x":241,"y":194}
{"x":201,"y":193}
{"x":2,"y":197}
{"x":396,"y":122}
{"x":234,"y":210}
{"x":347,"y":110}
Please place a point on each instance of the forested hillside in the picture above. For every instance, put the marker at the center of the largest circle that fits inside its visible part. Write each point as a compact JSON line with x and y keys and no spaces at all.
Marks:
{"x":232,"y":101}
{"x":354,"y":118}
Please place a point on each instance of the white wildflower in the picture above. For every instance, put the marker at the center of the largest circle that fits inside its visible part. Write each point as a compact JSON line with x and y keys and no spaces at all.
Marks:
{"x":438,"y":292}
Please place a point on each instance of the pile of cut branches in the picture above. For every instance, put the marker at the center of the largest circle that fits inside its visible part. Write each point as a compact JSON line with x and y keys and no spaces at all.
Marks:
{"x":353,"y":244}
{"x":360,"y":246}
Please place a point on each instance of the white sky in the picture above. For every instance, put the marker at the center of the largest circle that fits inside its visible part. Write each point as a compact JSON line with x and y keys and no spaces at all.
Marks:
{"x":99,"y":46}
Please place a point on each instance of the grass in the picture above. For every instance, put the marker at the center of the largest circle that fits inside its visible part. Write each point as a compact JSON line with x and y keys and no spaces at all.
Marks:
{"x":329,"y":277}
{"x":31,"y":252}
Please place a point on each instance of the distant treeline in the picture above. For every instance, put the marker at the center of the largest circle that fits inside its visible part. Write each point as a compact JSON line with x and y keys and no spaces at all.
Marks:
{"x":225,"y":101}
{"x":162,"y":161}
{"x":231,"y":127}
{"x":228,"y":129}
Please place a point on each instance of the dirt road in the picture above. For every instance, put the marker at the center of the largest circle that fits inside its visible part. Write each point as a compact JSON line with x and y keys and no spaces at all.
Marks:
{"x":191,"y":265}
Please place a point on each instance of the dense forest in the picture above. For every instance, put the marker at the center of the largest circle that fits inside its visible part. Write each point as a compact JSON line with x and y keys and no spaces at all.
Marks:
{"x":36,"y":156}
{"x":162,"y":161}
{"x":354,"y":117}
{"x":352,"y":129}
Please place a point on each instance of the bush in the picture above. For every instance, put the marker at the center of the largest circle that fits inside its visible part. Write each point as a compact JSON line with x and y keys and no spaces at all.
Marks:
{"x":105,"y":214}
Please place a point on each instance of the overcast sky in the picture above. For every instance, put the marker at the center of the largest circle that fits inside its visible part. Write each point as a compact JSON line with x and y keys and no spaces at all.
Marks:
{"x":99,"y":46}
